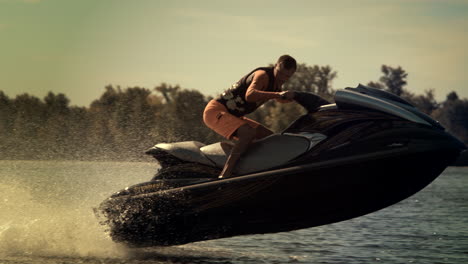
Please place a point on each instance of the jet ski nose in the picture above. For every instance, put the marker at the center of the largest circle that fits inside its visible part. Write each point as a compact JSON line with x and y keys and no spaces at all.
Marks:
{"x":459,"y":144}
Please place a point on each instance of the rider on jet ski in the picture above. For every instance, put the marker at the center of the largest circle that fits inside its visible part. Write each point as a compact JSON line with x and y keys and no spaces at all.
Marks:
{"x":226,"y":114}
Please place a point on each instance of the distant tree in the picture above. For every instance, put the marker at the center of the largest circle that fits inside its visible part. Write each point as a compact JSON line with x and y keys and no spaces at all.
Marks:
{"x":29,"y":114}
{"x":134,"y":119}
{"x":425,"y":102}
{"x":168,"y":91}
{"x":56,"y":104}
{"x":325,"y":76}
{"x":6,"y":114}
{"x":54,"y":132}
{"x":101,"y":139}
{"x":452,"y":96}
{"x":453,"y":115}
{"x":167,"y":125}
{"x":377,"y":85}
{"x":6,"y":123}
{"x":394,"y":79}
{"x":121,"y":122}
{"x":78,"y":123}
{"x":28,"y":117}
{"x":107,"y":101}
{"x":189,"y":107}
{"x":181,"y":118}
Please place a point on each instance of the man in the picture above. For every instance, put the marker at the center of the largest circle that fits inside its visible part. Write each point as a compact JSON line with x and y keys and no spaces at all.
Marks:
{"x":226,"y":114}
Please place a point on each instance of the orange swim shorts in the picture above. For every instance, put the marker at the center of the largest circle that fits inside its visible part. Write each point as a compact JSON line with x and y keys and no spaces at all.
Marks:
{"x":217,"y":117}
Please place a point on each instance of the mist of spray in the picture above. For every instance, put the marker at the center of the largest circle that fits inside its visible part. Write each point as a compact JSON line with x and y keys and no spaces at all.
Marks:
{"x":47,"y":207}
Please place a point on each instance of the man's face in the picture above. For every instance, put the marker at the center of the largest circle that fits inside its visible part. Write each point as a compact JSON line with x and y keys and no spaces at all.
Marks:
{"x":282,"y":74}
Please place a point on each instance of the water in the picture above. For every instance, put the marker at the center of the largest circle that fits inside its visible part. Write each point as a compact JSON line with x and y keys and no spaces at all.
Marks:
{"x":46,"y":217}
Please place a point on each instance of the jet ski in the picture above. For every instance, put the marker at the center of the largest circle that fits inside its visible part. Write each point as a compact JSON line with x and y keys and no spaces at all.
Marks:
{"x":368,"y":150}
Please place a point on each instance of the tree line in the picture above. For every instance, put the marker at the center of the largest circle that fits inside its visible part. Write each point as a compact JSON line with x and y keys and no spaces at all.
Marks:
{"x":124,"y":122}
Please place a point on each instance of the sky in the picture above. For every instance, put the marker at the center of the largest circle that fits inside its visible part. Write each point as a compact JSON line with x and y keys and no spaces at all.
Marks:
{"x":77,"y":47}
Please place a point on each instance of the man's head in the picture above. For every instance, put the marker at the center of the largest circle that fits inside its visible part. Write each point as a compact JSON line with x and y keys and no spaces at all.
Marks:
{"x":285,"y":68}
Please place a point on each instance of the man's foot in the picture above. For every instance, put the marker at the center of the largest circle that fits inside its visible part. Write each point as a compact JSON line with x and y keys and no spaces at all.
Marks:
{"x":225,"y":175}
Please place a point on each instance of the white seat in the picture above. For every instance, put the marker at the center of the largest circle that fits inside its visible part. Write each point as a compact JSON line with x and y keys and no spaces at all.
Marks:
{"x":186,"y":150}
{"x":266,"y":153}
{"x":269,"y":152}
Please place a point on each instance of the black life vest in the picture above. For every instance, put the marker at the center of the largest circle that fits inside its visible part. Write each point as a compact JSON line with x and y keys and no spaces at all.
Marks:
{"x":234,"y":97}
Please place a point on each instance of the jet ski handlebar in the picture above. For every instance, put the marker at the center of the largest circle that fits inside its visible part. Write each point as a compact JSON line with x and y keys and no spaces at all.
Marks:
{"x":310,"y":101}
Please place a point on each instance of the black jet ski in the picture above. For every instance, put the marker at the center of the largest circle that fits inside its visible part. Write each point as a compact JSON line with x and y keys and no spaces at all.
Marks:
{"x":368,"y":150}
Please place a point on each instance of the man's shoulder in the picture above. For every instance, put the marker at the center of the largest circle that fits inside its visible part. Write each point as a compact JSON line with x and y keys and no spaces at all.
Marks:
{"x":261,"y":74}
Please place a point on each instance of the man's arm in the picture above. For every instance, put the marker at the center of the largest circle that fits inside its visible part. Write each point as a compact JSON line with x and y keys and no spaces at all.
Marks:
{"x":256,"y":91}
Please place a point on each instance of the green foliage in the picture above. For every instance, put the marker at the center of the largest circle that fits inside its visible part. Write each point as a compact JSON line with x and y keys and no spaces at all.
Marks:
{"x":394,"y":79}
{"x":453,"y":115}
{"x":425,"y":102}
{"x":122,"y":123}
{"x":452,"y":96}
{"x":377,"y":85}
{"x":181,"y":117}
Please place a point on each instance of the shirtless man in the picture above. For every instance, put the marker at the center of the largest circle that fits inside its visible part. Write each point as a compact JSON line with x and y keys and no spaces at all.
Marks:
{"x":226,"y":114}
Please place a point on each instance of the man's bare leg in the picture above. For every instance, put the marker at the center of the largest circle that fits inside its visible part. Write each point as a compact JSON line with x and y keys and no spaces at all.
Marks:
{"x":246,"y":134}
{"x":261,"y":132}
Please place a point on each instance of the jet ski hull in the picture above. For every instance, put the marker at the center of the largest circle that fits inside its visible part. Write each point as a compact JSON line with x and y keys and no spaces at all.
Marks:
{"x":275,"y":201}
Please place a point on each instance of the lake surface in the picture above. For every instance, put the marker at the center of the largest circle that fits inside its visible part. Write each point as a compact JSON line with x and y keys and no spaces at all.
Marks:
{"x":46,"y":216}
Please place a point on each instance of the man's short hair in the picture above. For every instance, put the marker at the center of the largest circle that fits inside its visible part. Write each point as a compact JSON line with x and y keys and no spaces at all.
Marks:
{"x":288,"y":62}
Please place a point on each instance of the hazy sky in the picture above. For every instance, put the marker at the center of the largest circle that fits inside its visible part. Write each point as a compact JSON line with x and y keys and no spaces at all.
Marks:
{"x":77,"y":47}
